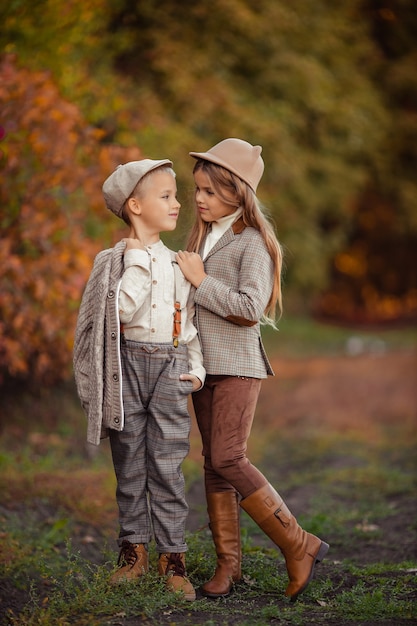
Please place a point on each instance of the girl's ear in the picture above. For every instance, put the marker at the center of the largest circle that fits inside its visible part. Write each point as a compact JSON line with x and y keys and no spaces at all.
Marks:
{"x":133,"y":205}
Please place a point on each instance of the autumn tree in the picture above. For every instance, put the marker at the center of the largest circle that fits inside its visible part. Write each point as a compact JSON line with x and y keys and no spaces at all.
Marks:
{"x":52,"y":168}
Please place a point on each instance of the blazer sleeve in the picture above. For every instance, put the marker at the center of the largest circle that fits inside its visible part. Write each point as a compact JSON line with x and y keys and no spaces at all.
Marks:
{"x":245,"y":303}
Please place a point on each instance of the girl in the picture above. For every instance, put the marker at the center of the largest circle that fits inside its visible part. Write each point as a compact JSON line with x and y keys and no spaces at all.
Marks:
{"x":234,"y":261}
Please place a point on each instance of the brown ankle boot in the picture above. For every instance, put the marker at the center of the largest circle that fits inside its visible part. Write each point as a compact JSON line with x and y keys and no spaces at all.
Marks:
{"x":301,"y":550}
{"x":223,"y":510}
{"x":132,"y":562}
{"x":173,"y":567}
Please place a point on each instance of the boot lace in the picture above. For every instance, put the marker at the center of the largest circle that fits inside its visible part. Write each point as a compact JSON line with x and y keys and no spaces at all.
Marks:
{"x":127,"y":555}
{"x":175,"y":565}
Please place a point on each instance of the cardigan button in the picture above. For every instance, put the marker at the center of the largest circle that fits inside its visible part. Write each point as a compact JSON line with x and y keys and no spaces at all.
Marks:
{"x":110,"y":294}
{"x":116,"y":420}
{"x":113,"y":335}
{"x":115,"y":377}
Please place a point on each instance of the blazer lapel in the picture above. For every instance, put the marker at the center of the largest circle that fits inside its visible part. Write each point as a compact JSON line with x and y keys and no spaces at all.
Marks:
{"x":236,"y":228}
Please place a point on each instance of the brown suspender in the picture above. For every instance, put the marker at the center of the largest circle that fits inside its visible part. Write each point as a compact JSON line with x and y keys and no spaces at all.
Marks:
{"x":177,"y":305}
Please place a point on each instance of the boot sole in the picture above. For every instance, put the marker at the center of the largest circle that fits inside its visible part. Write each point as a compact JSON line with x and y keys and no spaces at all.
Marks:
{"x":324,"y":547}
{"x":214,"y":596}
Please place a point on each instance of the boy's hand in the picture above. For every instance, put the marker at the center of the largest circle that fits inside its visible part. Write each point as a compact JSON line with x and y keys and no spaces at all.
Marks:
{"x":194,"y":379}
{"x":191,"y":266}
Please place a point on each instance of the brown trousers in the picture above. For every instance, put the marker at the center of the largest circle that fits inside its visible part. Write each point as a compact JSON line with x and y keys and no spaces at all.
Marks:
{"x":225,"y":409}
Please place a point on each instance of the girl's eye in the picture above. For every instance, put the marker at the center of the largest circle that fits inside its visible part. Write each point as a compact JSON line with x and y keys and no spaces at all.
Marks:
{"x":209,"y":192}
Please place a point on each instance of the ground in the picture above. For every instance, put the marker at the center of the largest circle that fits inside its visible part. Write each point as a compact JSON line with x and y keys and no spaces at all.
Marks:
{"x":342,"y":394}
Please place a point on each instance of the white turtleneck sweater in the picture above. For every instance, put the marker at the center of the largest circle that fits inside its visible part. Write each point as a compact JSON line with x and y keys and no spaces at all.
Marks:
{"x":218,"y":229}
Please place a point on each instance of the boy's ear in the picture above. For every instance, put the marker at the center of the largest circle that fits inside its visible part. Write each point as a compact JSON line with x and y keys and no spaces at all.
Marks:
{"x":133,"y":205}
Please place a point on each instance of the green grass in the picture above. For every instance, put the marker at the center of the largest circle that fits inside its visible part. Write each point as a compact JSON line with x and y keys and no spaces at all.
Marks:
{"x":62,"y":587}
{"x":79,"y":593}
{"x":302,"y":336}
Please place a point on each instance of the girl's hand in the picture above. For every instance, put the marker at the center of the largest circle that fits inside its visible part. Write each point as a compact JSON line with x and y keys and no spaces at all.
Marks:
{"x":191,"y":266}
{"x":194,"y":379}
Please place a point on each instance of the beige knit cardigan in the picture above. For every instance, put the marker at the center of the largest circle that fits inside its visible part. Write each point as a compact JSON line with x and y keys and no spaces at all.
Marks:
{"x":96,"y":358}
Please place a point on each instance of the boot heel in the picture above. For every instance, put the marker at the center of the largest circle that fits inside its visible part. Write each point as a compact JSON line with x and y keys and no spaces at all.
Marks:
{"x":322,"y":552}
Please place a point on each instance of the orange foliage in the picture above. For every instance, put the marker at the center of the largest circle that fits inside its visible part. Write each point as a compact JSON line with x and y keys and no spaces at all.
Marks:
{"x":52,"y":169}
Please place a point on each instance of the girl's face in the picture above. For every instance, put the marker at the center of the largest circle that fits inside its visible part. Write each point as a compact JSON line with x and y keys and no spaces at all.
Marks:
{"x":210,"y":206}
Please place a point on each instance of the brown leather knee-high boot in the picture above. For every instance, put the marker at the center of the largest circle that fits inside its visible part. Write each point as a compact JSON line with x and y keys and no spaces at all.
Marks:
{"x":301,"y":550}
{"x":223,"y":510}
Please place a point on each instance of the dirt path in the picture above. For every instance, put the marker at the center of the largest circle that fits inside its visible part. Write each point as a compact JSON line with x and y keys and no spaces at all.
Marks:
{"x":363,"y":395}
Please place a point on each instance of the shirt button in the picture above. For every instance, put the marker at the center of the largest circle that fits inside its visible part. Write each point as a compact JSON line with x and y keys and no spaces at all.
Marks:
{"x":152,"y":330}
{"x":154,"y":306}
{"x":154,"y":282}
{"x":154,"y":260}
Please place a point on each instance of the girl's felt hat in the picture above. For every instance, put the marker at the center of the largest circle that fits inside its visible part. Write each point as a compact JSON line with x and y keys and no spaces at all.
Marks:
{"x":118,"y":187}
{"x":237,"y":156}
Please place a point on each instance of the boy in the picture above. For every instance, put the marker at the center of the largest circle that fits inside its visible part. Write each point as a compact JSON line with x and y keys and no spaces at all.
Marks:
{"x":135,"y":363}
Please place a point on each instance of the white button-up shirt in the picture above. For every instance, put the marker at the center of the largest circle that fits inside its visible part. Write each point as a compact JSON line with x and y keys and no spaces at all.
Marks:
{"x":146,"y":302}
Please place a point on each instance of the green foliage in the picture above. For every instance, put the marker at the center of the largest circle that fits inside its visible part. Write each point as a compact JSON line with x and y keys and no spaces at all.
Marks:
{"x":278,"y":75}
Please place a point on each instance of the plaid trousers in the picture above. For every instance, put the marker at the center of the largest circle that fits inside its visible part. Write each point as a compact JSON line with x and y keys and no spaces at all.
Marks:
{"x":148,"y":453}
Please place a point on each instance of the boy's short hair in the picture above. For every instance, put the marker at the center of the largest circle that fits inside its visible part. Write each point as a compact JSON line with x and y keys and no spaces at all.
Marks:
{"x":118,"y":187}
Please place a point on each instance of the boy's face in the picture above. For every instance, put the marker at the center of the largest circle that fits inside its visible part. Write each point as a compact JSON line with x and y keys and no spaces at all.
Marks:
{"x":157,"y":200}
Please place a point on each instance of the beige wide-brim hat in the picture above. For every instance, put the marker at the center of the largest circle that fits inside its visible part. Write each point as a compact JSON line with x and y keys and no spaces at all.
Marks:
{"x":118,"y":187}
{"x":237,"y":156}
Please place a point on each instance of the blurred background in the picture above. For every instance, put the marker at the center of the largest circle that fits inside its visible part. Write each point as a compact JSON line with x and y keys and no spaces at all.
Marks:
{"x":329,"y":89}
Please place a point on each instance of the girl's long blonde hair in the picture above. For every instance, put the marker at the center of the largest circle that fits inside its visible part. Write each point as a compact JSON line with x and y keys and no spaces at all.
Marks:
{"x":235,"y":192}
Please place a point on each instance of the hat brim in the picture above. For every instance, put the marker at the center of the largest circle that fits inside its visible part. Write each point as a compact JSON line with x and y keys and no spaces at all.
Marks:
{"x":208,"y":156}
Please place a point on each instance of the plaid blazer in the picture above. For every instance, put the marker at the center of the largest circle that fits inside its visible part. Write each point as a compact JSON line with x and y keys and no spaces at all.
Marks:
{"x":231,"y":301}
